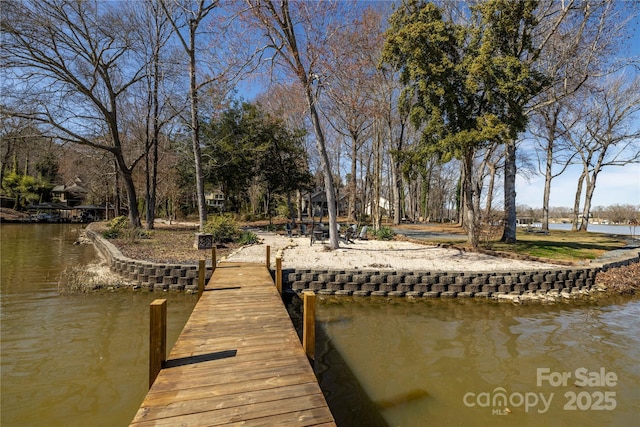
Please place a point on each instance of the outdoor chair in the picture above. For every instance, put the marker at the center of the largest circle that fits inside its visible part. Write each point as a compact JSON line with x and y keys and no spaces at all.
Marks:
{"x":348,"y":235}
{"x":318,"y":232}
{"x":363,"y":233}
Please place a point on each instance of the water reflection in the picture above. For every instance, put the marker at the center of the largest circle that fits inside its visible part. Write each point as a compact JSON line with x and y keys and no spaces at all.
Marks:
{"x":79,"y":359}
{"x":413,"y":362}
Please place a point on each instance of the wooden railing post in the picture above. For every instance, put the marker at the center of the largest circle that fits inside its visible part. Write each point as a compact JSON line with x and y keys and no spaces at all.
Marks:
{"x":268,"y":262}
{"x":214,"y":261}
{"x":309,"y":324}
{"x":157,"y":338}
{"x":201,"y":275}
{"x":279,"y":274}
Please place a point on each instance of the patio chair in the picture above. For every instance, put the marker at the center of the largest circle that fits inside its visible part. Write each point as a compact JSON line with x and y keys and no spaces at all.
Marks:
{"x":348,"y":235}
{"x":363,"y":233}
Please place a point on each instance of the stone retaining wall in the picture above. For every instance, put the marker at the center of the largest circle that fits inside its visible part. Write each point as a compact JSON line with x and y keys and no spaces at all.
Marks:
{"x":433,"y":284}
{"x":427,"y":284}
{"x":148,"y":274}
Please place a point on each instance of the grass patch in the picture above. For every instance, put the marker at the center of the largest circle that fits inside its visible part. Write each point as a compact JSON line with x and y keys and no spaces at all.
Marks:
{"x":561,"y":245}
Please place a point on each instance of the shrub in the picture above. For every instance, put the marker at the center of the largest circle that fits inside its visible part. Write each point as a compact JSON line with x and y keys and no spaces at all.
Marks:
{"x":274,"y":227}
{"x":116,"y":226}
{"x":248,"y":238}
{"x":248,"y":217}
{"x":223,"y":228}
{"x":120,"y":228}
{"x":384,"y":233}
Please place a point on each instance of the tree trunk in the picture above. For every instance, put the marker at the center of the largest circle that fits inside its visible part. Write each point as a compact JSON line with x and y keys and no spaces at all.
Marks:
{"x":547,"y":187}
{"x":117,"y":208}
{"x":292,"y":213}
{"x":299,"y":205}
{"x":490,"y":189}
{"x":396,"y":184}
{"x":152,"y":176}
{"x":130,"y":188}
{"x":576,"y":202}
{"x":397,"y":172}
{"x":377,"y":178}
{"x":326,"y":169}
{"x":426,"y":195}
{"x":509,"y":234}
{"x":470,"y":217}
{"x":195,"y":129}
{"x":353,"y":187}
{"x":586,"y":210}
{"x":462,"y":195}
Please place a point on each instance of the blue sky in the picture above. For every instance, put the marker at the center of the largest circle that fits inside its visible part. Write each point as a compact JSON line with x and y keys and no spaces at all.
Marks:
{"x":615,"y":185}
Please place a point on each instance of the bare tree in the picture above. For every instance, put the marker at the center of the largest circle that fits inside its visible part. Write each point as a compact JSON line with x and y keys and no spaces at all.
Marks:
{"x":554,"y":149}
{"x":583,"y":47}
{"x":352,"y":82}
{"x":286,"y":27}
{"x":607,"y":134}
{"x":156,"y":107}
{"x":189,"y":15}
{"x":73,"y":61}
{"x":622,"y":214}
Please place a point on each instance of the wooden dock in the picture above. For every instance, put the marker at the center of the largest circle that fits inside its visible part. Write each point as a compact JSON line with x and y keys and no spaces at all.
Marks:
{"x":238,"y":361}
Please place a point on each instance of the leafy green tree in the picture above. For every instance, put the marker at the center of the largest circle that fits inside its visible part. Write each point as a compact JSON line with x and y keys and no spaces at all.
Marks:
{"x":47,"y":167}
{"x":464,"y":83}
{"x":283,"y":166}
{"x":503,"y":67}
{"x":11,"y":187}
{"x":24,"y":189}
{"x":232,"y":146}
{"x":430,"y":53}
{"x":244,"y":144}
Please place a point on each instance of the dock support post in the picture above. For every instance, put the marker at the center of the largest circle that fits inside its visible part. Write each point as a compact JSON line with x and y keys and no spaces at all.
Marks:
{"x":157,"y":338}
{"x":201,"y":276}
{"x":279,"y":275}
{"x":309,"y":324}
{"x":214,"y":261}
{"x":268,"y":261}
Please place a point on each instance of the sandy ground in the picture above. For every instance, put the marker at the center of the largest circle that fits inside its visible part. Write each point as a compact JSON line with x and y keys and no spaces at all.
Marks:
{"x":296,"y":252}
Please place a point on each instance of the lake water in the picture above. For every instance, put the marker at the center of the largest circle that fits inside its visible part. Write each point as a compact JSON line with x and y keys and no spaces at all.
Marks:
{"x":622,"y":230}
{"x":72,"y":360}
{"x":82,"y":359}
{"x":476,"y":363}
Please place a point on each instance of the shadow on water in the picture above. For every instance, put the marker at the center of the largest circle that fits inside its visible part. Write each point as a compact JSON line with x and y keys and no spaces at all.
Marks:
{"x":401,"y":362}
{"x":336,"y":379}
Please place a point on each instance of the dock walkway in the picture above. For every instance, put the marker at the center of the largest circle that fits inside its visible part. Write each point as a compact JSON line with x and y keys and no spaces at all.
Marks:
{"x":238,"y":361}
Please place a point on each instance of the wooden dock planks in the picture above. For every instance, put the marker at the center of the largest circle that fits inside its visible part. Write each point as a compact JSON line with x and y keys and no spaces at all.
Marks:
{"x":238,"y":361}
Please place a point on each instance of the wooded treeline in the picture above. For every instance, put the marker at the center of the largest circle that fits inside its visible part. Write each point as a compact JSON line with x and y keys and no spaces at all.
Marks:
{"x":413,"y":110}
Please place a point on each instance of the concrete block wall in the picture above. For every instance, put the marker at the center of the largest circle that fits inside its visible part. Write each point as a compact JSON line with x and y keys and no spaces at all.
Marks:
{"x":146,"y":274}
{"x":433,"y":284}
{"x":427,"y":284}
